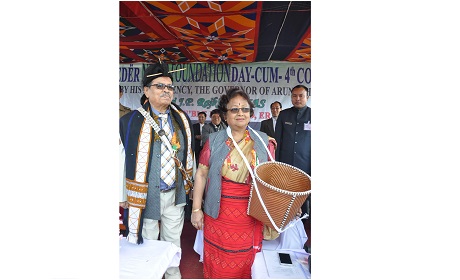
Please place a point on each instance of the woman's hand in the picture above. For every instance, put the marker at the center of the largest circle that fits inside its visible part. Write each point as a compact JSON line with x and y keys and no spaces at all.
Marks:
{"x":197,"y":219}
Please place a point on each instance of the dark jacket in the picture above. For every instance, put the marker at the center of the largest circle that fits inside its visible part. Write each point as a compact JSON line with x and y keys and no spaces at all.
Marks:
{"x":293,"y":138}
{"x":198,"y":147}
{"x":267,"y":127}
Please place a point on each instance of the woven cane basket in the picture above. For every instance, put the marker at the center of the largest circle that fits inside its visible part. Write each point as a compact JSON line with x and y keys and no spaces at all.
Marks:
{"x":283,"y":189}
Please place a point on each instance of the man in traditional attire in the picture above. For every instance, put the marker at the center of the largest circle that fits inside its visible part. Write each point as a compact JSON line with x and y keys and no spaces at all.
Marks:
{"x":158,"y":141}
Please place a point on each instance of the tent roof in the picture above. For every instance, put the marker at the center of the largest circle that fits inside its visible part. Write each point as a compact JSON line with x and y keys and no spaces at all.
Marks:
{"x":214,"y":32}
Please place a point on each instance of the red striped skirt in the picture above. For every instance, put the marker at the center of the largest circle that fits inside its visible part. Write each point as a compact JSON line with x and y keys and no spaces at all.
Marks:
{"x":232,"y":240}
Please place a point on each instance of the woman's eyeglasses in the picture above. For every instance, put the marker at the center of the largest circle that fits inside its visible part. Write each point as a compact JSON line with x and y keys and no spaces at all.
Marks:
{"x":162,"y":86}
{"x":236,"y":110}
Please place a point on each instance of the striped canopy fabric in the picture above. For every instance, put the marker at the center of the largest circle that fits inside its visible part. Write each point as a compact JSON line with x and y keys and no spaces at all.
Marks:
{"x":214,"y":32}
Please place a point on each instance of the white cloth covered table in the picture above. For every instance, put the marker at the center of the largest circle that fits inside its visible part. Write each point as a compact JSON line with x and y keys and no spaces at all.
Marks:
{"x":148,"y":260}
{"x":290,"y":241}
{"x":259,"y":268}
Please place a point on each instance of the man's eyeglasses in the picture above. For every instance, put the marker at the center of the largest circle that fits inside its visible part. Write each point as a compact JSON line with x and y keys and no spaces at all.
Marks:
{"x":236,"y":110}
{"x":162,"y":86}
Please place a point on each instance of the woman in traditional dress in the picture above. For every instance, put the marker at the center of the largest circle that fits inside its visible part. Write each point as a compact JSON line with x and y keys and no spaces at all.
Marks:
{"x":222,"y":187}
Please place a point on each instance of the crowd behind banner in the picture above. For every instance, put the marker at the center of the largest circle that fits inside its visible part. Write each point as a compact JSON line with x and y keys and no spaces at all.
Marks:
{"x":200,"y":85}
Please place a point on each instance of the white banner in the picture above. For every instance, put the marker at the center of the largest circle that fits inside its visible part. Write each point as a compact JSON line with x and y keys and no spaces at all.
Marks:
{"x":200,"y":85}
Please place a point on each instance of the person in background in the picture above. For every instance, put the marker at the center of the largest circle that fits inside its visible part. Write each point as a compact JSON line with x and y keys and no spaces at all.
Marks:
{"x":268,"y":126}
{"x":215,"y":125}
{"x":231,"y":237}
{"x":197,"y":128}
{"x":155,"y":184}
{"x":293,"y":134}
{"x":123,"y":110}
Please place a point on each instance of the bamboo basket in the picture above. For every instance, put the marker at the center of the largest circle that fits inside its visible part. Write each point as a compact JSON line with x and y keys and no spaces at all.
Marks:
{"x":283,"y":189}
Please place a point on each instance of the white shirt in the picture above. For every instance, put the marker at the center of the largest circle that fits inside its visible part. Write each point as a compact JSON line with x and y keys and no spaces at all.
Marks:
{"x":201,"y":132}
{"x":274,"y":122}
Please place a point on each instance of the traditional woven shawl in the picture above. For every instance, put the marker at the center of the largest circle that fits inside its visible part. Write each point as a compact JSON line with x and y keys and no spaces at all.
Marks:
{"x":189,"y":152}
{"x":137,"y":188}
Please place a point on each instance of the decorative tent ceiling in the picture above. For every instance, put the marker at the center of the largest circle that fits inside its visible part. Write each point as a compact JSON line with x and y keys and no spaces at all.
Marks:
{"x":215,"y":32}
